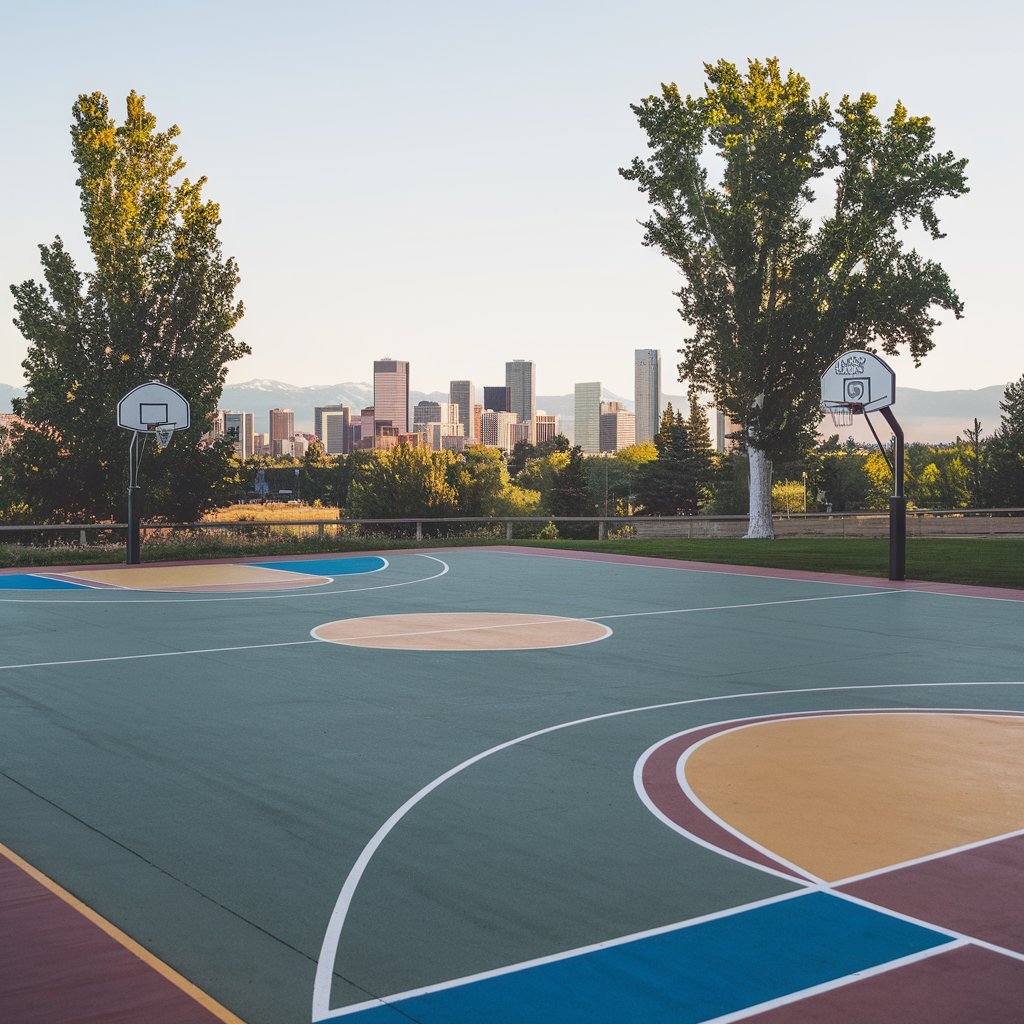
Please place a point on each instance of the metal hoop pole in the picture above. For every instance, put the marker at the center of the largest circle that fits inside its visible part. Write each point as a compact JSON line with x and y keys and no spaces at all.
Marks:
{"x":133,"y":553}
{"x":897,"y":505}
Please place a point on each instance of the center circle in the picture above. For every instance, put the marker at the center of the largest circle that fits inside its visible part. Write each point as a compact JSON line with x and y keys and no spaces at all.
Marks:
{"x":462,"y":631}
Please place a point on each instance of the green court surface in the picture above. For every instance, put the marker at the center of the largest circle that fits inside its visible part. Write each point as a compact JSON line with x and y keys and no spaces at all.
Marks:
{"x":247,"y":801}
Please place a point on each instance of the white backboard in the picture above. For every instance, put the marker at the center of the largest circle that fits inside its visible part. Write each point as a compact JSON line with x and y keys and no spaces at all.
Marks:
{"x":153,"y":403}
{"x":859,"y":378}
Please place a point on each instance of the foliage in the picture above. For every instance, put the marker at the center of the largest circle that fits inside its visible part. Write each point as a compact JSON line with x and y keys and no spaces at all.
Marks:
{"x":403,"y":482}
{"x":1006,"y":450}
{"x":158,"y":303}
{"x":570,"y":496}
{"x":678,"y":481}
{"x":481,"y":481}
{"x":771,"y":300}
{"x":788,"y":497}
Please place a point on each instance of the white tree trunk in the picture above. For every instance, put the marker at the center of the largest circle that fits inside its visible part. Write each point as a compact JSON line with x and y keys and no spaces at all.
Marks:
{"x":760,"y":525}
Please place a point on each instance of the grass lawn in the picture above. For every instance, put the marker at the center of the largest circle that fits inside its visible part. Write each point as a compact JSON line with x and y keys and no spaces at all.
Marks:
{"x":989,"y":562}
{"x":993,"y":562}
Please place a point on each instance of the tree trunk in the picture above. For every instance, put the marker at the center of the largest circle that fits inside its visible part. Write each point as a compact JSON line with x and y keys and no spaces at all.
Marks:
{"x":760,"y":525}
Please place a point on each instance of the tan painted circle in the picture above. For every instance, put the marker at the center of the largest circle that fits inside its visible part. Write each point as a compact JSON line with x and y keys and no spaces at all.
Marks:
{"x":462,"y":631}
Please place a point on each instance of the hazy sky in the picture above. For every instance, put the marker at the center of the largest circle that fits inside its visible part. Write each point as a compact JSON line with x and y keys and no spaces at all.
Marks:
{"x":437,"y":181}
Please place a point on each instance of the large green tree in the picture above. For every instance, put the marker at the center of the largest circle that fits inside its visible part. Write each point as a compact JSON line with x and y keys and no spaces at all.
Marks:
{"x":155,"y":301}
{"x":771,"y":296}
{"x":1006,"y":450}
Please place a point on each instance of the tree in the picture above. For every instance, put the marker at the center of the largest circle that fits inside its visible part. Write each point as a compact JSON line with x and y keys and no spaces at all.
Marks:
{"x":569,"y":495}
{"x":772,"y":300}
{"x":158,"y":303}
{"x":403,"y":482}
{"x":1006,"y":450}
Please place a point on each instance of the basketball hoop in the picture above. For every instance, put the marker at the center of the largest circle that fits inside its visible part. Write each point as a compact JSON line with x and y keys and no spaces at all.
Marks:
{"x":843,"y":412}
{"x":164,"y":432}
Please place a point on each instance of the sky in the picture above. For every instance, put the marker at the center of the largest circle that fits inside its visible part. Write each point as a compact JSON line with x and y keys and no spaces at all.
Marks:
{"x":437,"y":181}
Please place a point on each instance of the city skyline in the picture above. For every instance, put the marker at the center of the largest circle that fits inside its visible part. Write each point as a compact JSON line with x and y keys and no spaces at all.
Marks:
{"x":513,"y":231}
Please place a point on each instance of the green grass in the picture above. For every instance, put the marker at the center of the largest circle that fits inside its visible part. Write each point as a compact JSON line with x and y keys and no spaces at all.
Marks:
{"x":990,"y":562}
{"x":995,"y":562}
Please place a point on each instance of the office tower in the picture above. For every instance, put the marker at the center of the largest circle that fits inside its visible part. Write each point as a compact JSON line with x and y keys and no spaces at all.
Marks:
{"x":239,"y":427}
{"x":299,"y":445}
{"x":337,"y":432}
{"x":463,"y":394}
{"x":434,"y":412}
{"x":545,"y":428}
{"x":588,"y":417}
{"x":259,"y":444}
{"x":216,"y":427}
{"x":618,"y":427}
{"x":391,"y":393}
{"x":498,"y":429}
{"x":477,"y":413}
{"x":727,"y":433}
{"x":318,"y":413}
{"x":521,"y":381}
{"x":437,"y":434}
{"x":498,"y":399}
{"x":282,"y":427}
{"x":647,"y":393}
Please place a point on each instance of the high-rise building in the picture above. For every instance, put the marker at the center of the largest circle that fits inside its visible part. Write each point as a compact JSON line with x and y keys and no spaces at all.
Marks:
{"x":318,"y":413}
{"x":391,"y":393}
{"x":239,"y":426}
{"x":521,"y":381}
{"x":336,"y":435}
{"x":498,"y":399}
{"x":282,"y":428}
{"x":647,"y":393}
{"x":498,"y":429}
{"x":726,"y":431}
{"x":434,"y":412}
{"x":588,"y":417}
{"x":545,"y":428}
{"x":618,"y":427}
{"x":463,"y":394}
{"x":477,"y":413}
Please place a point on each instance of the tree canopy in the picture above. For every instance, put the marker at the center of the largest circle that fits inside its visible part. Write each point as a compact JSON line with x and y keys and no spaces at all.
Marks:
{"x":770,"y":297}
{"x":156,"y":302}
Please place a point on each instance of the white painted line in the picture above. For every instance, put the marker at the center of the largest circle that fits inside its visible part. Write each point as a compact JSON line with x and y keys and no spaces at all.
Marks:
{"x":645,"y":799}
{"x":158,"y":654}
{"x":688,"y":790}
{"x":929,"y":857}
{"x":332,"y":934}
{"x":759,"y":720}
{"x":831,"y":986}
{"x":568,"y":954}
{"x":731,"y":607}
{"x":309,"y":592}
{"x":952,"y":932}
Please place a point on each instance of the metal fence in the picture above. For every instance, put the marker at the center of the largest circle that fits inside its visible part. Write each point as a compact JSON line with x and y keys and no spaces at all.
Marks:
{"x":920,"y":523}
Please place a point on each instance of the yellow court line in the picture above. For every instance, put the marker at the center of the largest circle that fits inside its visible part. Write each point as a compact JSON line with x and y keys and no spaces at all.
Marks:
{"x":186,"y":986}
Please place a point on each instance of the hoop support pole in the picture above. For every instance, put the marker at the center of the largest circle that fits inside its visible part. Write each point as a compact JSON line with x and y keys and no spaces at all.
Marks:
{"x":897,"y":505}
{"x":133,"y":546}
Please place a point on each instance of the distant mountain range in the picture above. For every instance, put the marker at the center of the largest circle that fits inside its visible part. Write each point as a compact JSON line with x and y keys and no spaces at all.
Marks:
{"x":933,"y":416}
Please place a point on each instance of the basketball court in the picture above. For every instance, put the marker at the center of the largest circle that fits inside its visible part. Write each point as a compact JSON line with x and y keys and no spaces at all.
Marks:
{"x":508,"y":785}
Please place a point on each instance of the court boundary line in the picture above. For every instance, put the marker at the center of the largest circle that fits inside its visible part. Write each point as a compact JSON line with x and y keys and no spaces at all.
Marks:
{"x":308,"y":592}
{"x":123,"y":939}
{"x":326,"y":961}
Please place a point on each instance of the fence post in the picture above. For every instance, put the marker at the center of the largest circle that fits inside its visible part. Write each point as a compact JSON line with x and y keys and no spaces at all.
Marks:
{"x":508,"y":529}
{"x":419,"y":529}
{"x":319,"y":533}
{"x":602,"y":529}
{"x":81,"y":538}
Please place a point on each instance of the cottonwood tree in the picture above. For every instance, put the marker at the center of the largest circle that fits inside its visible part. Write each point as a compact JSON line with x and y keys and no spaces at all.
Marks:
{"x":155,"y":302}
{"x":772,"y":298}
